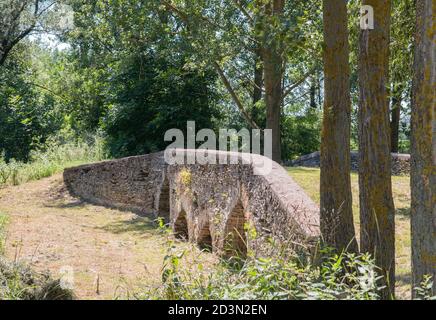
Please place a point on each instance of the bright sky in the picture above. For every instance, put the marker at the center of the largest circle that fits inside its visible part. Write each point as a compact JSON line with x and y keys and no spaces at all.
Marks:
{"x":50,"y":41}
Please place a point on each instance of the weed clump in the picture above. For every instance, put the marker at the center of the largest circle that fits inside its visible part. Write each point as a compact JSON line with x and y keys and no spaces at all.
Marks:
{"x":18,"y":282}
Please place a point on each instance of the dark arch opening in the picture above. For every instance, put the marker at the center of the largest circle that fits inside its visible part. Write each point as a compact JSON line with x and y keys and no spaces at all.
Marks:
{"x":205,"y":238}
{"x":181,"y":226}
{"x":235,"y":241}
{"x":164,"y":201}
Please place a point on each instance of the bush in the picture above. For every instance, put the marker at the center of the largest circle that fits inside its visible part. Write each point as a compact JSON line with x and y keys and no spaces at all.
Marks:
{"x":345,"y":276}
{"x":301,"y":134}
{"x":18,"y":282}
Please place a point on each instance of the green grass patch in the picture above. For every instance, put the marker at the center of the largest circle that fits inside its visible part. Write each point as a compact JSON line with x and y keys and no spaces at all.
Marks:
{"x":309,"y":180}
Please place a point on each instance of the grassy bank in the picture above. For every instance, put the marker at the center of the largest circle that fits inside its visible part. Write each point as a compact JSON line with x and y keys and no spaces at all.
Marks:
{"x":18,"y":281}
{"x":309,"y":178}
{"x":55,"y":158}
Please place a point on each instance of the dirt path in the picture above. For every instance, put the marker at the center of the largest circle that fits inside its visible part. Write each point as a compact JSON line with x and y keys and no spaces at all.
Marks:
{"x":112,"y":253}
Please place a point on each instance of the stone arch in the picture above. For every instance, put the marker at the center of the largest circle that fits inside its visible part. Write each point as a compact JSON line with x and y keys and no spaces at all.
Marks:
{"x":235,"y":238}
{"x":205,"y":237}
{"x":164,"y":201}
{"x":181,"y":226}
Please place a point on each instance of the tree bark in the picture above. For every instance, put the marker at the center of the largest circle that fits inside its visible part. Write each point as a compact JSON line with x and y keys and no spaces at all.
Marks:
{"x":395,"y":121}
{"x":258,"y":85}
{"x":313,"y":93}
{"x":273,"y":73}
{"x":337,"y":224}
{"x":377,"y":212}
{"x":10,"y":33}
{"x":423,"y":148}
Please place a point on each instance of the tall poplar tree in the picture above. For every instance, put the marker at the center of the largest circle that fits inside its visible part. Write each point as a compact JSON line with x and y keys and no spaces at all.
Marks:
{"x":377,"y":212}
{"x":336,"y":200}
{"x":423,"y":181}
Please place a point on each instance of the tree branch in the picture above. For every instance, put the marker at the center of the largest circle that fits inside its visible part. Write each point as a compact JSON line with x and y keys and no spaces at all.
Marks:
{"x":185,"y":18}
{"x":243,"y":10}
{"x":10,"y":44}
{"x":299,"y":82}
{"x":235,"y":96}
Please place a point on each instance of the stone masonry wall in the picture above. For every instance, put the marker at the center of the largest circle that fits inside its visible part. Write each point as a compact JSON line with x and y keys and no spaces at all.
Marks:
{"x":400,"y":162}
{"x":216,"y":206}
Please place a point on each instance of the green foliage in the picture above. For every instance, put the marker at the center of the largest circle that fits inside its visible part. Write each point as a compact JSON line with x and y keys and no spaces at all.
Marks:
{"x":425,"y":290}
{"x":56,"y":157}
{"x":153,"y":95}
{"x":345,"y":276}
{"x":301,"y":134}
{"x":27,"y":116}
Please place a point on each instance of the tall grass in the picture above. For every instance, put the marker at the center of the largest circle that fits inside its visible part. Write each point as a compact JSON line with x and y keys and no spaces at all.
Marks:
{"x":286,"y":276}
{"x":3,"y":222}
{"x":325,"y":276}
{"x":336,"y":277}
{"x":53,"y":159}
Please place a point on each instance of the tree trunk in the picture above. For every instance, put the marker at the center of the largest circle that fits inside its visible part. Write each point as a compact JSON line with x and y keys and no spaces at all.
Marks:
{"x":258,"y":78}
{"x":336,"y":201}
{"x":423,"y":149}
{"x":273,"y":73}
{"x":273,"y":99}
{"x":258,"y":85}
{"x":377,"y":212}
{"x":395,"y":121}
{"x":313,"y":93}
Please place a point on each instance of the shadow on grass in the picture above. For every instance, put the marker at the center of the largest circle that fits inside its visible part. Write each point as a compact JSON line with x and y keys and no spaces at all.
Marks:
{"x":68,"y":205}
{"x":404,"y":279}
{"x":403,"y":212}
{"x":302,"y":169}
{"x":139,"y":225}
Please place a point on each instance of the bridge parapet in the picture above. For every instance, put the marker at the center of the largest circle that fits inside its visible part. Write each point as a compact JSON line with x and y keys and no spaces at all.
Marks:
{"x":218,"y":206}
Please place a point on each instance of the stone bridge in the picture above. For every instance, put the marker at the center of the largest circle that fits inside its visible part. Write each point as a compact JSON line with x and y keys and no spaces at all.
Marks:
{"x":224,"y":207}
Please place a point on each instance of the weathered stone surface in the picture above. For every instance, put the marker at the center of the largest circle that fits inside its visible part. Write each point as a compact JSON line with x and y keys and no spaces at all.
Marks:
{"x":400,"y":162}
{"x":212,"y":204}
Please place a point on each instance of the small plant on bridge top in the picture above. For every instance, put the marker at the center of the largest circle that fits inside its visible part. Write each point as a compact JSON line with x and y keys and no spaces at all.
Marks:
{"x":162,"y":227}
{"x":186,"y":177}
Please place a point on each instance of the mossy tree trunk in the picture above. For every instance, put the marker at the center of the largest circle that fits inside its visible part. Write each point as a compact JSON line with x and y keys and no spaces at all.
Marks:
{"x":377,"y":213}
{"x":423,"y":149}
{"x":336,"y":200}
